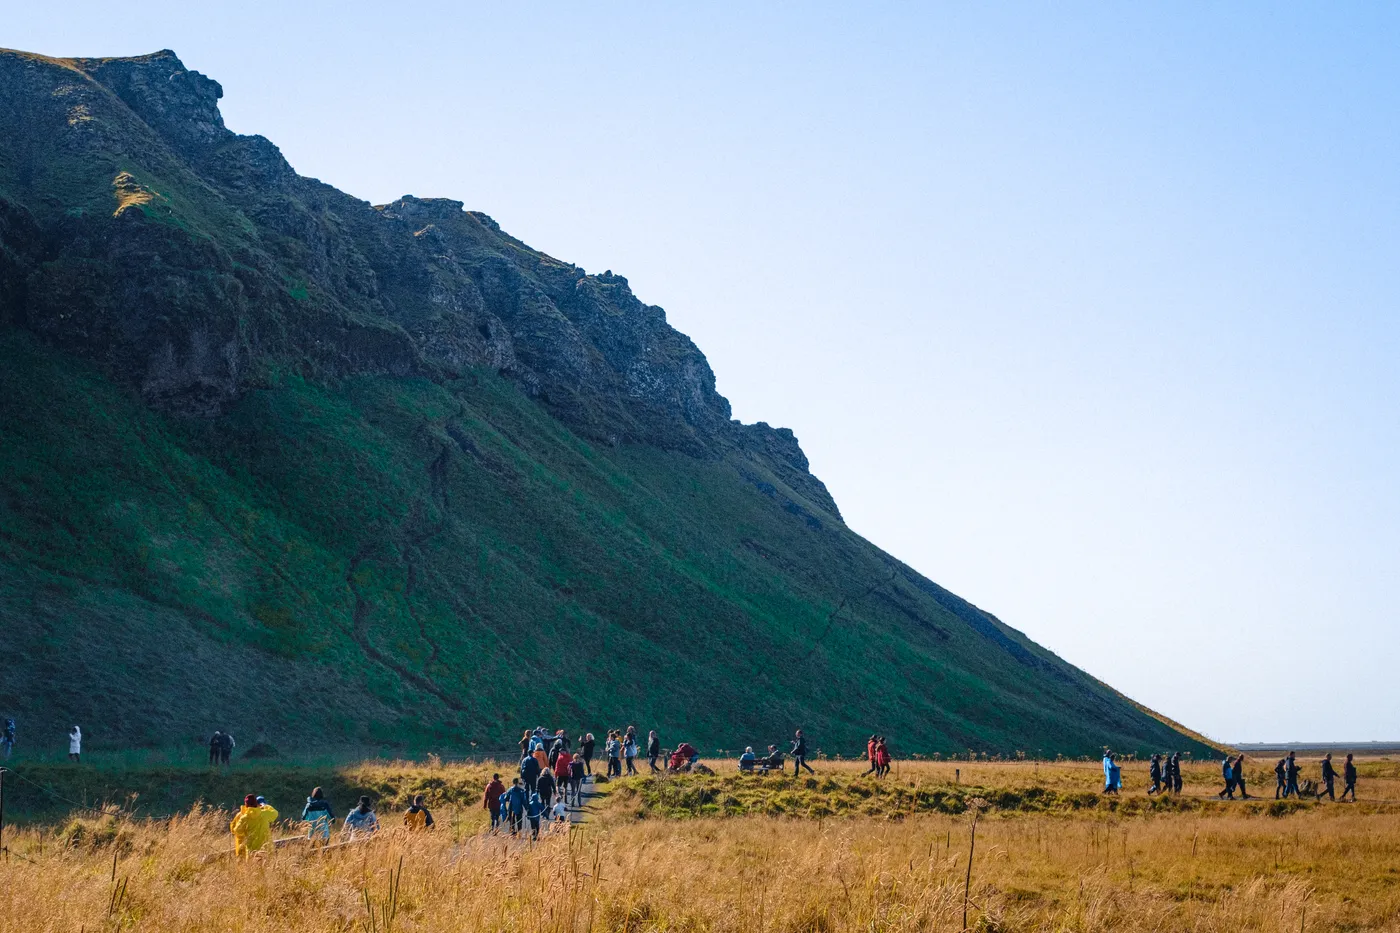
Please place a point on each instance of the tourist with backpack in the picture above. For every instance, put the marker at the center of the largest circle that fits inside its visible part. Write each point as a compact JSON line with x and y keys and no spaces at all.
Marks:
{"x":361,"y":821}
{"x":318,"y":816}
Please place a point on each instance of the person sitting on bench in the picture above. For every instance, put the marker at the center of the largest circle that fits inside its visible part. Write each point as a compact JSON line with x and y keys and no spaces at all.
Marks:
{"x":747,"y":759}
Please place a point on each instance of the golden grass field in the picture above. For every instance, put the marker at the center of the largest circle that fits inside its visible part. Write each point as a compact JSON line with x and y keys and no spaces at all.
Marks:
{"x":1214,"y":867}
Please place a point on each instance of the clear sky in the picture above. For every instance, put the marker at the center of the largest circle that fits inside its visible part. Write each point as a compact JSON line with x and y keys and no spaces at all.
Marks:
{"x":1091,"y":313}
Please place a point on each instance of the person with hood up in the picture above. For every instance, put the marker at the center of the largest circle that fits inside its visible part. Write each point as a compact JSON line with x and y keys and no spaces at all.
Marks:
{"x":491,"y":800}
{"x":75,"y":744}
{"x":514,"y":800}
{"x":1107,"y":771}
{"x":318,"y":816}
{"x":1281,"y":779}
{"x":252,"y":826}
{"x":417,"y":817}
{"x":1349,"y":779}
{"x":534,"y":809}
{"x":361,"y":821}
{"x":529,"y":771}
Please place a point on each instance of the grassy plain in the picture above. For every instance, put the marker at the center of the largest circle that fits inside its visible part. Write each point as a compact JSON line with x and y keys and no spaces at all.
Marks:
{"x":1200,"y":864}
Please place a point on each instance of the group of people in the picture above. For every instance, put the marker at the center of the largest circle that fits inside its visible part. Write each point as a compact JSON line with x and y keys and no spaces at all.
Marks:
{"x":1164,"y":775}
{"x":252,"y":824}
{"x":773,"y":761}
{"x":877,"y":752}
{"x":221,"y":746}
{"x":75,"y":741}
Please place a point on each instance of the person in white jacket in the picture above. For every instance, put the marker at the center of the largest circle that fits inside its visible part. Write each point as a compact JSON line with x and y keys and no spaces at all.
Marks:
{"x":75,"y":743}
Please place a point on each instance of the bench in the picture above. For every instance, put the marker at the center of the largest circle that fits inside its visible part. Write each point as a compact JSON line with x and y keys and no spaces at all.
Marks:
{"x":761,"y":765}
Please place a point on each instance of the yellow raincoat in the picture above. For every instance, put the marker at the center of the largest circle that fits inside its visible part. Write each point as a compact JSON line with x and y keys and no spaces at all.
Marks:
{"x":251,"y":828}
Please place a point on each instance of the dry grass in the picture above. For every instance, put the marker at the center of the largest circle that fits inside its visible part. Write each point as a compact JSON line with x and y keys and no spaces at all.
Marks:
{"x":1321,"y":868}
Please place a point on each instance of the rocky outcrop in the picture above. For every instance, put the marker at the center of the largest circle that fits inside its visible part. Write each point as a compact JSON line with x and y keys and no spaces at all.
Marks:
{"x":191,"y":262}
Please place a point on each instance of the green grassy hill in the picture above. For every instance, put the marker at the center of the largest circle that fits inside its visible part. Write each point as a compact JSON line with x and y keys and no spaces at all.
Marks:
{"x":277,"y":461}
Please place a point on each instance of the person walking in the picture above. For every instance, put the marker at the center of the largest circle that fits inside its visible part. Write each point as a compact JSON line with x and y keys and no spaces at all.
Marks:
{"x":799,"y":754}
{"x":882,"y":757}
{"x":563,"y":768}
{"x":418,"y":818}
{"x":1281,"y":779}
{"x":1227,"y":771}
{"x":7,"y":738}
{"x":1290,"y":773}
{"x":576,"y":780}
{"x":529,"y":771}
{"x":585,"y":748}
{"x":216,"y":746}
{"x":75,"y":744}
{"x":514,"y":799}
{"x":1349,"y":779}
{"x":653,"y":751}
{"x":870,"y":757}
{"x":491,"y":800}
{"x":251,"y":826}
{"x":1238,"y":777}
{"x":361,"y":821}
{"x":226,"y":748}
{"x":629,"y":751}
{"x":318,"y":816}
{"x":534,"y":809}
{"x":1329,"y":778}
{"x":1176,"y":772}
{"x":1154,"y":775}
{"x":1107,"y":771}
{"x":545,"y":787}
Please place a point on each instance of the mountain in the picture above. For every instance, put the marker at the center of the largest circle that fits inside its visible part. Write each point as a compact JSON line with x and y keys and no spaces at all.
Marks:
{"x":277,"y":460}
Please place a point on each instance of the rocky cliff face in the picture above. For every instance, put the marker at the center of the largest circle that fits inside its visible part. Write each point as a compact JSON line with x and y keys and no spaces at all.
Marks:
{"x":194,"y":263}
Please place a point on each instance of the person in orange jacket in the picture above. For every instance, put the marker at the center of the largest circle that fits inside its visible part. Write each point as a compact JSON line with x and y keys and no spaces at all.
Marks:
{"x":252,"y":826}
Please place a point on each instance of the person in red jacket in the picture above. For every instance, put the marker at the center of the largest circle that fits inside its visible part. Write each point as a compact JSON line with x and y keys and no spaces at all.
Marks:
{"x":882,"y":757}
{"x":870,"y":757}
{"x":491,"y":800}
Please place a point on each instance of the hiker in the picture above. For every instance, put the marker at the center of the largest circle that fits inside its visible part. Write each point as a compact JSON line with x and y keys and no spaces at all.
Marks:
{"x":870,"y":757}
{"x":252,"y":825}
{"x":882,"y":756}
{"x":529,"y":770}
{"x":585,"y":747}
{"x":653,"y":750}
{"x":629,"y":751}
{"x":534,"y":809}
{"x":417,"y":817}
{"x":1227,"y":771}
{"x":541,"y":757}
{"x":318,"y":816}
{"x":799,"y":755}
{"x":1154,"y":774}
{"x":525,"y":742}
{"x":75,"y":744}
{"x":683,"y":758}
{"x":1176,"y":772}
{"x":1290,"y":769}
{"x":491,"y":800}
{"x":514,"y":799}
{"x":1107,"y":771}
{"x":536,"y":741}
{"x":7,"y":738}
{"x":1238,"y":776}
{"x":226,"y":748}
{"x":576,"y":780}
{"x":361,"y":821}
{"x":1281,"y":779}
{"x":545,"y":786}
{"x":613,"y":748}
{"x":563,"y":769}
{"x":1349,"y":778}
{"x":216,"y":746}
{"x":1329,"y":776}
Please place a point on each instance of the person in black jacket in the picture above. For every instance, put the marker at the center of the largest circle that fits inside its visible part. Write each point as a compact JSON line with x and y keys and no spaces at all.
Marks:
{"x":799,"y":755}
{"x":653,"y":751}
{"x":1349,"y":777}
{"x":216,"y":746}
{"x":529,"y":772}
{"x":1329,"y":777}
{"x":1154,"y":773}
{"x":1290,"y":775}
{"x":585,"y":748}
{"x":544,"y":786}
{"x":1281,"y":779}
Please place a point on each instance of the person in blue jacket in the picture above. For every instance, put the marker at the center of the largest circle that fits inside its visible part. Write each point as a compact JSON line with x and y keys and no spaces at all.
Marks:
{"x":534,"y":809}
{"x":318,"y":816}
{"x":529,"y":771}
{"x":514,"y":800}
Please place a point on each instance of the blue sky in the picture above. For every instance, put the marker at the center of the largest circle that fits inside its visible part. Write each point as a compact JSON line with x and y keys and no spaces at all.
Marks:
{"x":1090,"y":314}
